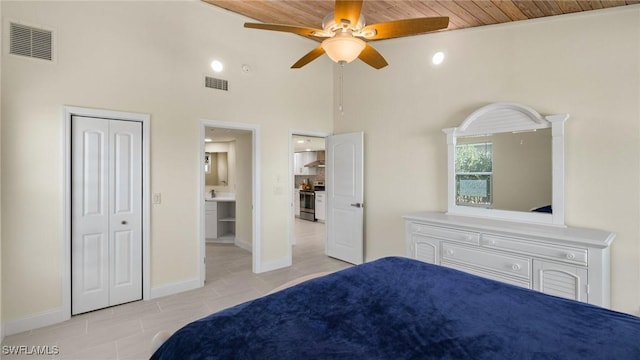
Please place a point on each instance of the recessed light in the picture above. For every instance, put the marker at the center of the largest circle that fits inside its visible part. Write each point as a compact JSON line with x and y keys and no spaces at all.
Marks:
{"x":437,"y":58}
{"x":207,"y":140}
{"x":300,"y":141}
{"x":217,"y":66}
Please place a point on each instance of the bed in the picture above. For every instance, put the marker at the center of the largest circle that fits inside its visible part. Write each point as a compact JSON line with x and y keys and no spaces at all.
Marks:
{"x":399,"y":308}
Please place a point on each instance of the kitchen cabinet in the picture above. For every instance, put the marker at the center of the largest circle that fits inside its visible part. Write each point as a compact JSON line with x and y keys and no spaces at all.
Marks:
{"x":563,"y":261}
{"x":220,"y":221}
{"x":321,"y":206}
{"x":300,"y":159}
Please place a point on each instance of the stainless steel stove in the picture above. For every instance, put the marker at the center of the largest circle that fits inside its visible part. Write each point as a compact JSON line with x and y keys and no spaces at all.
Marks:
{"x":308,"y":201}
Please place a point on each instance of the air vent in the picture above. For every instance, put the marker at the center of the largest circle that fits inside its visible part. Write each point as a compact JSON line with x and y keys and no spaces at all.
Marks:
{"x":214,"y":83}
{"x":31,"y":42}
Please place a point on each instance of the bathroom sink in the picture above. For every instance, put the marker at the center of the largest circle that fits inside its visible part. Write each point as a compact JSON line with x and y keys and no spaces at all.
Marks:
{"x":221,"y":197}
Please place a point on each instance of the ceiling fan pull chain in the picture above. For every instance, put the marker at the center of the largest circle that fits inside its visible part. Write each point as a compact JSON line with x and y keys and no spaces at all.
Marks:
{"x":341,"y":87}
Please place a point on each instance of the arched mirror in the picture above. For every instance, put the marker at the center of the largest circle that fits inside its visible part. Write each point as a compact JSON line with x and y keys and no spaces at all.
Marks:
{"x":506,"y":161}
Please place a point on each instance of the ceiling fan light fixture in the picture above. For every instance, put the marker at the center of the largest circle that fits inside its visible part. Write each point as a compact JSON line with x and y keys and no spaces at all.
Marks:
{"x":343,"y":47}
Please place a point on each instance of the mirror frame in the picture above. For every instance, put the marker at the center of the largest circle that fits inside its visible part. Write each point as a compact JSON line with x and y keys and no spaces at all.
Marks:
{"x":510,"y":117}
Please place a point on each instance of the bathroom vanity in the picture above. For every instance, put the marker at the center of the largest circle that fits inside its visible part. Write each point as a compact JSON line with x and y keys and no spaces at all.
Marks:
{"x":220,"y":219}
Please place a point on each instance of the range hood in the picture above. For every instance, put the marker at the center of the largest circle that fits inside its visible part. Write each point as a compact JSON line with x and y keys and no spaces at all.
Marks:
{"x":317,"y":163}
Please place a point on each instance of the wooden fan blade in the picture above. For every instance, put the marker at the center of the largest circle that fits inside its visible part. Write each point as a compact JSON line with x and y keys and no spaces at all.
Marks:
{"x":348,"y":10}
{"x":305,"y":31}
{"x":311,"y":55}
{"x":372,"y":57}
{"x":407,"y":27}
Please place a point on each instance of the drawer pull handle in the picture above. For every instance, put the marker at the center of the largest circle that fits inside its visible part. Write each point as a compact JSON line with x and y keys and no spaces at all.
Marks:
{"x":450,"y":252}
{"x":571,"y":256}
{"x":515,"y":267}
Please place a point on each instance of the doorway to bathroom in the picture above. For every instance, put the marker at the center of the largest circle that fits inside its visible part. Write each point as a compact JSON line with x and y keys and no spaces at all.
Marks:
{"x":229,"y":197}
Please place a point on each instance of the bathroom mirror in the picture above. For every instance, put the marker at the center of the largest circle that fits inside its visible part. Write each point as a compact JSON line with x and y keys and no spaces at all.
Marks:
{"x":506,"y":161}
{"x":216,"y":168}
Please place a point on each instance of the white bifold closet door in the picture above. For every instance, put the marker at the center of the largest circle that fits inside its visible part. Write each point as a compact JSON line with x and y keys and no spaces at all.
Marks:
{"x":106,"y":243}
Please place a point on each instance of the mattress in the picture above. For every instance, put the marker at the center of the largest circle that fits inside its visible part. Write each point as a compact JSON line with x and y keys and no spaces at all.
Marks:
{"x":400,"y":308}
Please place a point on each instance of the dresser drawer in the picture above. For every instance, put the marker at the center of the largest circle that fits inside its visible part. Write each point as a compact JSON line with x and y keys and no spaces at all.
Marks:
{"x":522,"y":282}
{"x":446,"y":234}
{"x":554,"y":252}
{"x":502,"y":263}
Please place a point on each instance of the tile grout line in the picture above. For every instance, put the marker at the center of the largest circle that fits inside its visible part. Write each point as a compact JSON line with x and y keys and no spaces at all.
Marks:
{"x":117,"y":352}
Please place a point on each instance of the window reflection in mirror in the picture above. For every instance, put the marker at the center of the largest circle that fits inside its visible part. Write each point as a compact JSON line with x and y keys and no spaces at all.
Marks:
{"x":473,"y":174}
{"x":216,"y":168}
{"x":506,"y":171}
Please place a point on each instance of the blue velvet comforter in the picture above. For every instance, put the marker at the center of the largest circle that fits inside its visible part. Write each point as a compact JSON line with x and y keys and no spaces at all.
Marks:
{"x":397,"y":308}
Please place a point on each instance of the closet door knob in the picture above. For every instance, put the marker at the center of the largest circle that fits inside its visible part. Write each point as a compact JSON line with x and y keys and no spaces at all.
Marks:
{"x":124,"y":222}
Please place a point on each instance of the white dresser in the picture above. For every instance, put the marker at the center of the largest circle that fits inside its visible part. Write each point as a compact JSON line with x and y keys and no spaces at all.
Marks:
{"x":563,"y":261}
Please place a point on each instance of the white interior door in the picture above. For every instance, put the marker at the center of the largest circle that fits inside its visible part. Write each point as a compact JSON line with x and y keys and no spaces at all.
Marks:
{"x":106,"y":244}
{"x":345,"y":197}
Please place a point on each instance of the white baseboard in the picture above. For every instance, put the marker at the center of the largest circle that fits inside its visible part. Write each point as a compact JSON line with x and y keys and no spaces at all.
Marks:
{"x":275,"y":265}
{"x":35,"y":321}
{"x":243,"y":245}
{"x":219,"y":241}
{"x":170,"y":289}
{"x":55,"y":316}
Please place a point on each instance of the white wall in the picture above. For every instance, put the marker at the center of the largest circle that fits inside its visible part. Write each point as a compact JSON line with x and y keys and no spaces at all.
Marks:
{"x":585,"y":64}
{"x":147,"y":57}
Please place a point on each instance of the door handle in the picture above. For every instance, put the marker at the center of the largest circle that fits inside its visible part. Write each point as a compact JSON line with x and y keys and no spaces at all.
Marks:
{"x":124,"y":222}
{"x":358,"y":205}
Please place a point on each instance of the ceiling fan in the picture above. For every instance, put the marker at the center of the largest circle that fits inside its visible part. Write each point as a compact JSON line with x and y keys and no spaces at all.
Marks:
{"x":344,"y":32}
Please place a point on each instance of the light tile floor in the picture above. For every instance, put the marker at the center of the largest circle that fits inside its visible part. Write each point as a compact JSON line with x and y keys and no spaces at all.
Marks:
{"x":125,"y":331}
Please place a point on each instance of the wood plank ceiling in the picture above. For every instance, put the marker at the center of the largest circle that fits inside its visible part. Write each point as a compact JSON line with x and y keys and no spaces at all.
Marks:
{"x":462,"y":13}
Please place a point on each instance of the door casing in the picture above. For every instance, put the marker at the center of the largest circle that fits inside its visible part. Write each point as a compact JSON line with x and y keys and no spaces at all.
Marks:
{"x":68,"y":112}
